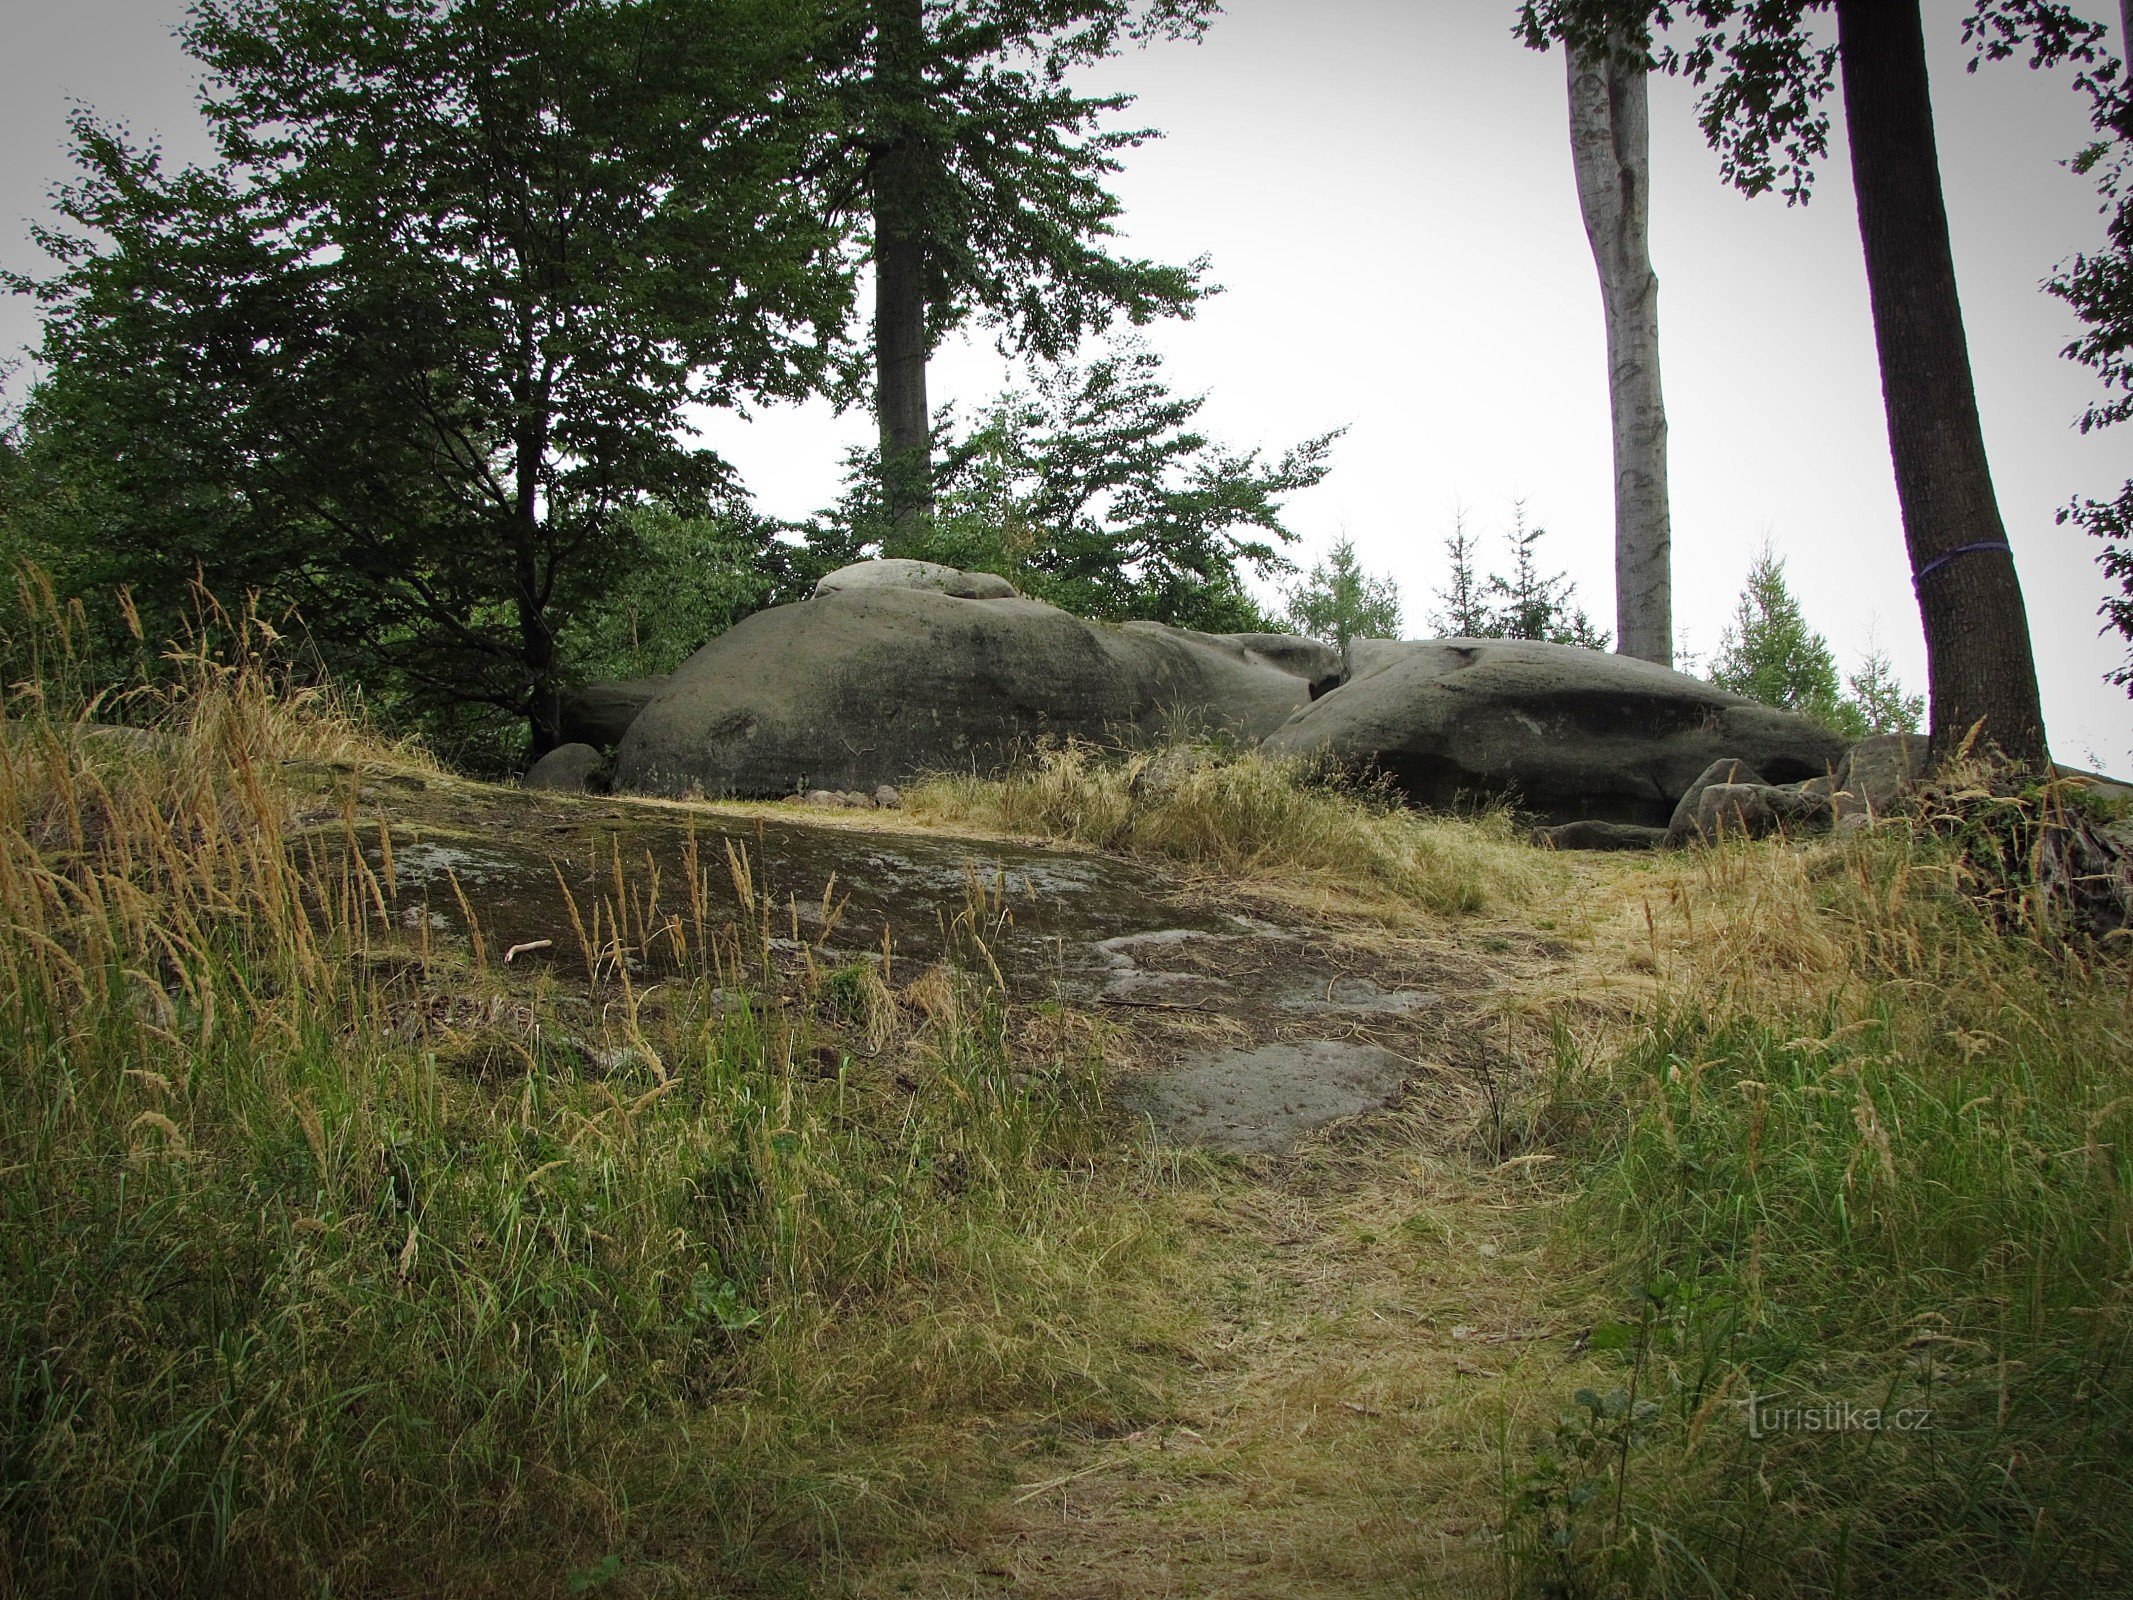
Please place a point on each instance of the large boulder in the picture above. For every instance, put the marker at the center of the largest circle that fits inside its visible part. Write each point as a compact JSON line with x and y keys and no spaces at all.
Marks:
{"x":600,"y":713}
{"x":897,"y":573}
{"x":1564,"y":732}
{"x":872,"y":684}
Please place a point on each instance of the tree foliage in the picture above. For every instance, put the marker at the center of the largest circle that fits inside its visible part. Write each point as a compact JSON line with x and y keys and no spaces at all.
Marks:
{"x":692,"y":578}
{"x":416,"y":349}
{"x":1339,"y":601}
{"x":1525,"y":603}
{"x":976,"y":174}
{"x":1094,"y":489}
{"x":1769,"y":653}
{"x":2098,"y":285}
{"x":1010,"y":189}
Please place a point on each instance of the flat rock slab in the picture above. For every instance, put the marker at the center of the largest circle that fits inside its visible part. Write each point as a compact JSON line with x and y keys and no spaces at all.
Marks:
{"x":1261,"y":1101}
{"x":503,"y":855}
{"x":1353,"y":997}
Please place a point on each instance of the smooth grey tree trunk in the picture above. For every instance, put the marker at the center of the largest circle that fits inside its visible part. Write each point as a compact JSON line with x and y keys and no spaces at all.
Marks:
{"x":1610,"y":148}
{"x":1979,"y":667}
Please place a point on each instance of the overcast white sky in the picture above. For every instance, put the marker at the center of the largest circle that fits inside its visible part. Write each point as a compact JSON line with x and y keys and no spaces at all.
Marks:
{"x":1385,"y":188}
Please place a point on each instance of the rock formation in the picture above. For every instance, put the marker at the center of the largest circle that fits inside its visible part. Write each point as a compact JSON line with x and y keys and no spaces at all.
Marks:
{"x":1566,"y":733}
{"x":873,"y":682}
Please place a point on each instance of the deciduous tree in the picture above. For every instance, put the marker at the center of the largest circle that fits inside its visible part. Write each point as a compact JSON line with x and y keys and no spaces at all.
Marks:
{"x":1766,"y":75}
{"x":416,"y":347}
{"x":1610,"y":147}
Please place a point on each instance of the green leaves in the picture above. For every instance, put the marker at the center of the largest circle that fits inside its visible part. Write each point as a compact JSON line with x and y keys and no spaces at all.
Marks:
{"x":1008,"y":185}
{"x":1769,"y":653}
{"x":1340,"y":601}
{"x":412,"y":353}
{"x":1094,"y":490}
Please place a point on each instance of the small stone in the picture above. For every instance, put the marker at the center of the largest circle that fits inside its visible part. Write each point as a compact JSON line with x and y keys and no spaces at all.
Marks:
{"x":1595,"y":835}
{"x":858,"y":801}
{"x":889,"y":797}
{"x":826,"y":799}
{"x":569,"y":769}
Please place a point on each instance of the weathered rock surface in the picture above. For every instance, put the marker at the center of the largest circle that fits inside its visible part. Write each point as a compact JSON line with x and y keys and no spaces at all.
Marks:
{"x":2096,"y":783}
{"x":895,"y":573}
{"x":1602,"y":836}
{"x":600,"y":713}
{"x":1261,"y":1101}
{"x":869,"y":685}
{"x":1570,"y":734}
{"x":1877,"y":770}
{"x":1681,"y":828}
{"x":569,"y":769}
{"x":1753,"y":811}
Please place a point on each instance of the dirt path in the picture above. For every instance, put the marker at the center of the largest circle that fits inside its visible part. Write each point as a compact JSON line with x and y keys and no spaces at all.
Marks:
{"x":1333,"y":1431}
{"x":1377,"y":1311}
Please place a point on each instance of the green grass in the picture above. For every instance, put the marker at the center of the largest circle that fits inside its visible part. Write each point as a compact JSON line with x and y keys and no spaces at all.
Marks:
{"x":334,"y":1263}
{"x":1909,"y":1195}
{"x":335,"y":1260}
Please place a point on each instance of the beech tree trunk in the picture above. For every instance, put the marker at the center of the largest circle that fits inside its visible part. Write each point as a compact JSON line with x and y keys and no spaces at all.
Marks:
{"x":901,"y":345}
{"x":1978,"y":662}
{"x":1610,"y":148}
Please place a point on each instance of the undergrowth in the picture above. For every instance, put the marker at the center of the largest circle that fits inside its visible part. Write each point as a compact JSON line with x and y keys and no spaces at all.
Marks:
{"x":1246,"y":815}
{"x":335,"y":1260}
{"x":1859,"y":1188}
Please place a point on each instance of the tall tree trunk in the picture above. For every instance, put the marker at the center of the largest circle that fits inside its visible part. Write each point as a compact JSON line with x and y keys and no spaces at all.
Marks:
{"x":1978,"y":662}
{"x":900,"y":342}
{"x":1610,"y":148}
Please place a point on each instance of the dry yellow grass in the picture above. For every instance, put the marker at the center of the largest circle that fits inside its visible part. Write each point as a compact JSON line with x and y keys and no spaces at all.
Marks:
{"x":1246,"y":817}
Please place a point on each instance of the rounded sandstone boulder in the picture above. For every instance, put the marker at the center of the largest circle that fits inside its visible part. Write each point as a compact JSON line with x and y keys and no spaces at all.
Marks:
{"x":872,"y":685}
{"x":569,"y":769}
{"x":896,"y":573}
{"x":1566,"y":733}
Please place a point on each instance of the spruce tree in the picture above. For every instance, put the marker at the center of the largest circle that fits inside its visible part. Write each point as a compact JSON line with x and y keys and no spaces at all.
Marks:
{"x":1339,"y":601}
